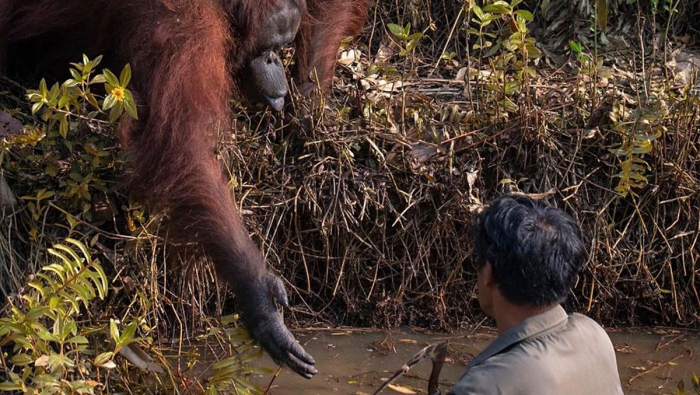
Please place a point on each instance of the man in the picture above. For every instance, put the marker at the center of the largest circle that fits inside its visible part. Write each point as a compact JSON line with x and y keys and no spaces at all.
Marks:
{"x":528,"y":256}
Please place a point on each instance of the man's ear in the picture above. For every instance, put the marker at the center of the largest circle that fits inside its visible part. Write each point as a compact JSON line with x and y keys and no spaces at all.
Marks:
{"x":487,"y":273}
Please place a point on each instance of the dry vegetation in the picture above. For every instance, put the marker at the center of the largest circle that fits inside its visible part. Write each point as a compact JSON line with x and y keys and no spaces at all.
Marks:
{"x":364,"y":203}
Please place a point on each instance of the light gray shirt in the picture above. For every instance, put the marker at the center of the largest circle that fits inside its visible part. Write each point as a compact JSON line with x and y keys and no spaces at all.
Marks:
{"x":550,"y":353}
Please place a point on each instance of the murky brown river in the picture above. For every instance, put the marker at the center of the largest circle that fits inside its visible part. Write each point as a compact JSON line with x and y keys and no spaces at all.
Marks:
{"x":355,"y":362}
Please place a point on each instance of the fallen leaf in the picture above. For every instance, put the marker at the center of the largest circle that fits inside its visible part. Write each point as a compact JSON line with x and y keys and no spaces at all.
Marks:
{"x":401,"y":389}
{"x":349,"y":56}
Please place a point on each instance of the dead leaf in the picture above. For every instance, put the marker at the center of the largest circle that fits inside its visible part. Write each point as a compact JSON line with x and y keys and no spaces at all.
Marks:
{"x":401,"y":389}
{"x":349,"y":56}
{"x":42,"y":361}
{"x":385,"y":52}
{"x":626,"y":349}
{"x":109,"y":365}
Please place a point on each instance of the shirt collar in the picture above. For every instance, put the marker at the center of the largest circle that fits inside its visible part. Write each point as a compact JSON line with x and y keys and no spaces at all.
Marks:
{"x":528,"y":328}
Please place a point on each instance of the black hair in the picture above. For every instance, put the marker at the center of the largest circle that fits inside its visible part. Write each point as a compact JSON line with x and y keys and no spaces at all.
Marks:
{"x":535,"y":251}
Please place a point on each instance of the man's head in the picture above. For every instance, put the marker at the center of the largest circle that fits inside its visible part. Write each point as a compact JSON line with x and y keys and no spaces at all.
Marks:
{"x":527,"y":251}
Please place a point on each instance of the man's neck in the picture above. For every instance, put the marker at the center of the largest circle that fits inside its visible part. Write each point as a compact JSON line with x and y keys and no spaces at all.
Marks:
{"x":508,"y":315}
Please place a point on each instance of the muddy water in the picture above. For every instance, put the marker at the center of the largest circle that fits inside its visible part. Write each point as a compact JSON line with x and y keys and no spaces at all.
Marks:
{"x":355,"y":362}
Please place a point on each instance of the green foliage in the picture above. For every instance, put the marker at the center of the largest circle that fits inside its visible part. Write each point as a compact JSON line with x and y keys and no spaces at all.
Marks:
{"x":71,"y":159}
{"x":506,"y":49}
{"x":48,"y":330}
{"x":515,"y":34}
{"x":638,"y":131}
{"x":229,"y":374}
{"x":60,"y":347}
{"x":409,"y":40}
{"x":407,"y":44}
{"x":74,"y":97}
{"x":508,"y":46}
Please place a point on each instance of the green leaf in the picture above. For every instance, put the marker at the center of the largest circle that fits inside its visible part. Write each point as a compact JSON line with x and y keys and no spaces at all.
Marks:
{"x":76,"y":262}
{"x":101,"y":290}
{"x":36,"y":107}
{"x":498,"y":7}
{"x":478,"y":12}
{"x":9,"y":386}
{"x":109,"y":102}
{"x":42,"y":88}
{"x":575,"y":46}
{"x":130,"y":105}
{"x":128,"y":333}
{"x":22,"y":359}
{"x":77,"y":77}
{"x":525,"y":14}
{"x":111,"y":78}
{"x":415,"y":36}
{"x":36,"y":312}
{"x":116,"y":112}
{"x":56,"y":268}
{"x":97,"y":61}
{"x":396,"y":30}
{"x":80,"y":246}
{"x":63,"y":127}
{"x":63,"y":103}
{"x":78,"y":340}
{"x":113,"y":330}
{"x":101,"y":359}
{"x":98,"y":79}
{"x":54,"y":92}
{"x":71,"y":83}
{"x":125,"y":76}
{"x":44,"y":194}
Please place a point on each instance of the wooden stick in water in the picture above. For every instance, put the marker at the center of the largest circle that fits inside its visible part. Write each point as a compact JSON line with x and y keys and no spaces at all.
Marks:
{"x":437,"y":353}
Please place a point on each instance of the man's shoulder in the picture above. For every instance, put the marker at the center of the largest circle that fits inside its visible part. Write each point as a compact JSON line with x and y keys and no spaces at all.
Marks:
{"x":583,"y":319}
{"x":587,"y":325}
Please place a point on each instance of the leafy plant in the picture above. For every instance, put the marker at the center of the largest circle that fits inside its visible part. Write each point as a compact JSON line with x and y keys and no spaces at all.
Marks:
{"x":68,"y":157}
{"x":512,"y":68}
{"x":74,"y":97}
{"x":408,"y":40}
{"x":230,"y":373}
{"x":47,"y":331}
{"x":638,"y":131}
